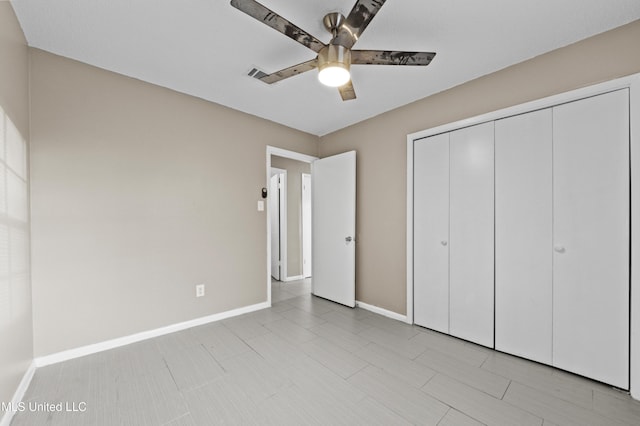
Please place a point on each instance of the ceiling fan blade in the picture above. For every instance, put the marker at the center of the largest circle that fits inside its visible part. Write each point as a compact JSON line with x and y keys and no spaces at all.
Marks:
{"x":391,"y":57}
{"x":346,"y":91}
{"x":278,"y":23}
{"x":284,"y":73}
{"x":355,"y":24}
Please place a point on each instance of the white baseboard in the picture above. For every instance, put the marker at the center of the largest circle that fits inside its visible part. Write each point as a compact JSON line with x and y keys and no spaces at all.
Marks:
{"x":126,"y":340}
{"x":18,"y":395}
{"x":294,"y":278}
{"x":381,"y":311}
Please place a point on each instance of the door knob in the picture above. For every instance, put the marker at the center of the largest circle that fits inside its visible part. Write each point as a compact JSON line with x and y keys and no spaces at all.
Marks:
{"x":559,"y":249}
{"x":444,"y":243}
{"x":348,"y":239}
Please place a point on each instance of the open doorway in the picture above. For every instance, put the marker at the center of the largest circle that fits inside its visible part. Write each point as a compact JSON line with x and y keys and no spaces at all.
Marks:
{"x":288,"y":224}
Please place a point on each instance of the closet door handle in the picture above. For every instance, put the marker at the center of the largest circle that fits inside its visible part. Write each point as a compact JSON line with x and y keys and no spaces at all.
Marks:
{"x":444,"y":243}
{"x":559,"y":249}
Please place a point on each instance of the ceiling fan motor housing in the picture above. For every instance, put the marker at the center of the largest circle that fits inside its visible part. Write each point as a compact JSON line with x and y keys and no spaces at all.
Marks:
{"x":334,"y":55}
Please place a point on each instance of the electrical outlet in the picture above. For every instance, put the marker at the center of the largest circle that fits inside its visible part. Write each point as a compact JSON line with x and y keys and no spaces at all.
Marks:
{"x":199,"y":290}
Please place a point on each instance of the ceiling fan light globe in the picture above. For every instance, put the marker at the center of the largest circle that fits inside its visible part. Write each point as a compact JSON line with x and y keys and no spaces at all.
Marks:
{"x":334,"y":62}
{"x":334,"y":75}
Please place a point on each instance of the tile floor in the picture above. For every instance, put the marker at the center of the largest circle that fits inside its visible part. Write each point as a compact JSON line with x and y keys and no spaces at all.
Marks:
{"x":310,"y":361}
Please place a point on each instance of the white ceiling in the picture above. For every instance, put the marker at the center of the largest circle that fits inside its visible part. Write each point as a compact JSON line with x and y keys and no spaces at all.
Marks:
{"x":206,"y":47}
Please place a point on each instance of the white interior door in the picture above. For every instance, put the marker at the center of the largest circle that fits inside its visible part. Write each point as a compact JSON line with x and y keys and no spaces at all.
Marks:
{"x":524,"y":219}
{"x":277,"y":208}
{"x":274,"y":211}
{"x":306,"y":225}
{"x":431,"y":233}
{"x":471,"y":286}
{"x":591,"y":237}
{"x":333,"y":195}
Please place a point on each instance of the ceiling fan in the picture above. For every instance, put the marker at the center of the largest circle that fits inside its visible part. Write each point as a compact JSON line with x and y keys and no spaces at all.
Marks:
{"x":333,"y":60}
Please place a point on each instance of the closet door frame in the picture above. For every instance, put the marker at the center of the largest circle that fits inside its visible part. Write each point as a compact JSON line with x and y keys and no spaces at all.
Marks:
{"x":633,"y":84}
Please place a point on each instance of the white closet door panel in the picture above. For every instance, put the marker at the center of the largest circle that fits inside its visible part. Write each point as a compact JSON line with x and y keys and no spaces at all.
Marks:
{"x":471,"y":234}
{"x":591,"y":237}
{"x":431,"y":232}
{"x":523,"y":197}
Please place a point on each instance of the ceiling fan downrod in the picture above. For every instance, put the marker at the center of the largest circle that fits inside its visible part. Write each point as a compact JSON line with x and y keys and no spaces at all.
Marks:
{"x":332,"y":22}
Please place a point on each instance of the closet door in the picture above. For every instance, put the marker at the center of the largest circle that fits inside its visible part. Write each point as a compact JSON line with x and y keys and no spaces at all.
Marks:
{"x":471,"y":234}
{"x":591,"y":237}
{"x":524,"y":219}
{"x":431,"y":232}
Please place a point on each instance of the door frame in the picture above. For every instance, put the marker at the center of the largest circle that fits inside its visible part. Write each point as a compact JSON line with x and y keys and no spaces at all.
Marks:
{"x":280,"y":152}
{"x":631,"y":82}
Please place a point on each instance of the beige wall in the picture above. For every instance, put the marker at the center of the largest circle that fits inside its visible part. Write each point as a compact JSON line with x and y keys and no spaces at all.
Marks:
{"x":381,"y":145}
{"x":294,"y":169}
{"x":16,"y":347}
{"x":138,"y":194}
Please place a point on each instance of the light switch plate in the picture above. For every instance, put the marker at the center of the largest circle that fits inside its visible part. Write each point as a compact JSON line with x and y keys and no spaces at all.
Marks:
{"x":260,"y":206}
{"x":199,"y":290}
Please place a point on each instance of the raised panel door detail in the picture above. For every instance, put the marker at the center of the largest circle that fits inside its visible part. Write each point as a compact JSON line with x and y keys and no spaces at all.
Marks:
{"x":471,"y":248}
{"x":591,"y":237}
{"x":431,"y":232}
{"x":523,"y":220}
